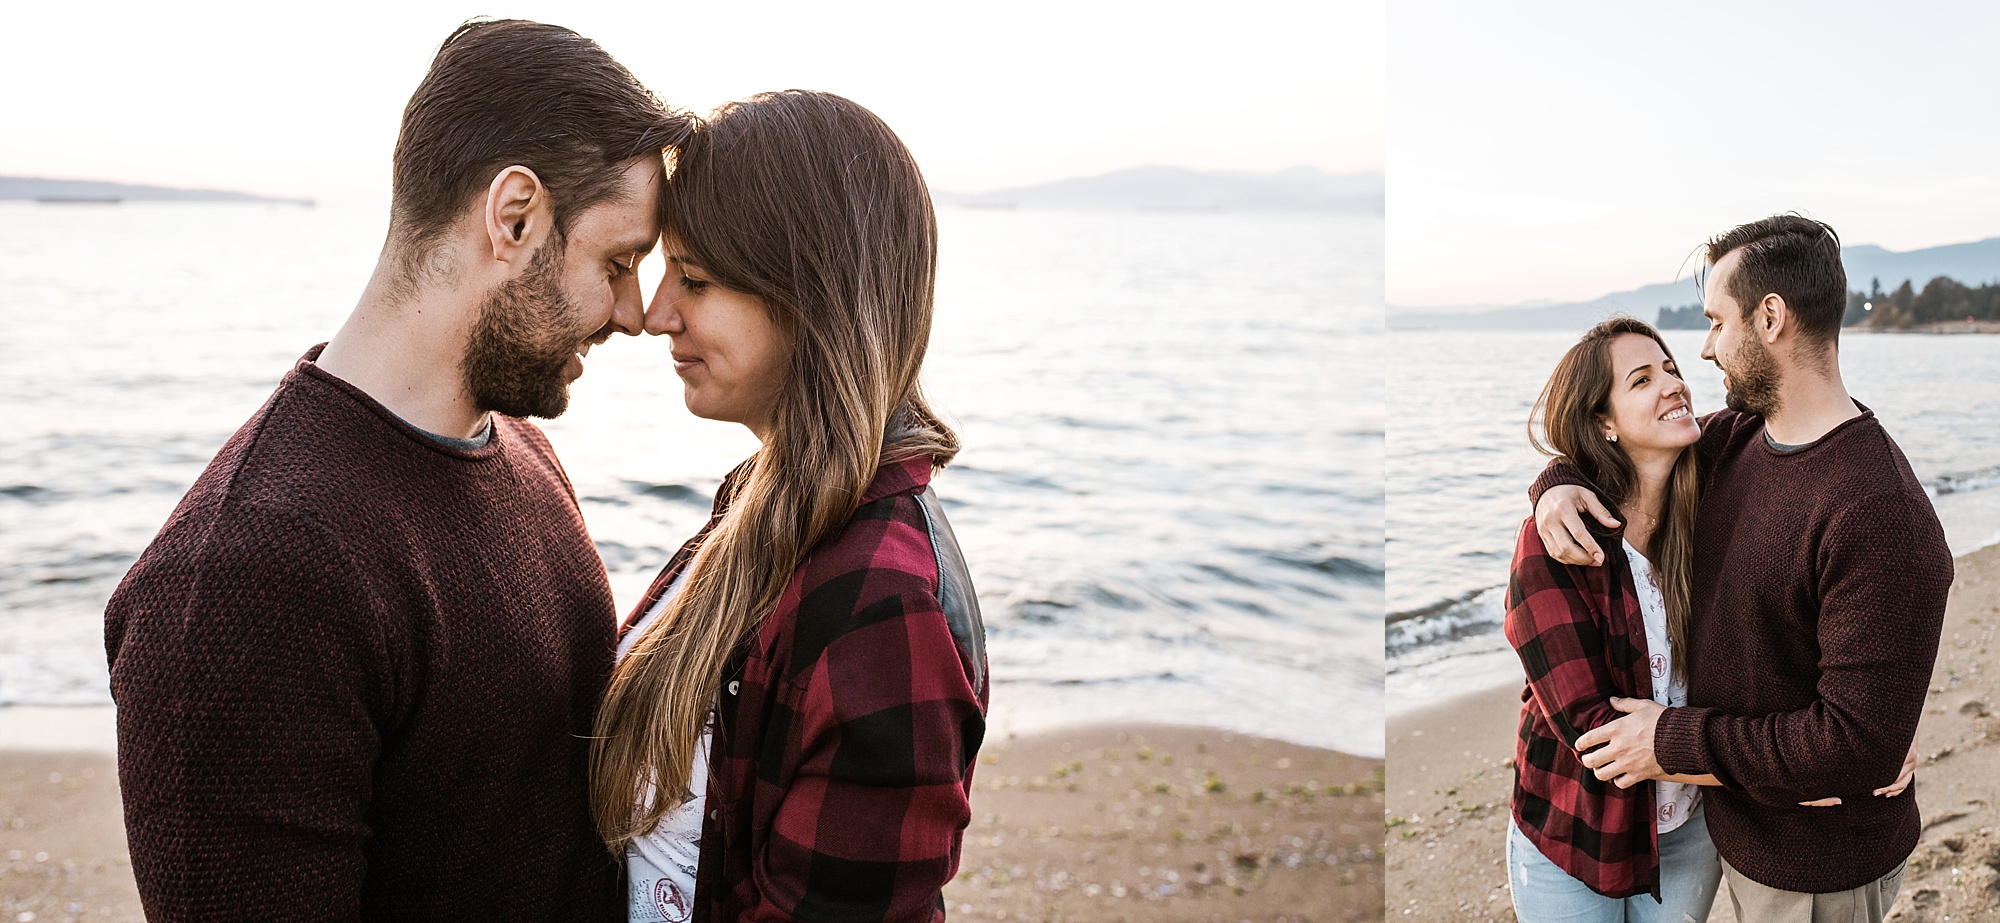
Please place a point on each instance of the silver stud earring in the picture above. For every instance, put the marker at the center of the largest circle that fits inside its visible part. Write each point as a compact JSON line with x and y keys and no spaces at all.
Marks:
{"x":1611,"y":437}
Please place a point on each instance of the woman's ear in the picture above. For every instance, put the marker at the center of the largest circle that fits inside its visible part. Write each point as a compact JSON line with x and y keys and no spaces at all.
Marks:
{"x":519,"y":216}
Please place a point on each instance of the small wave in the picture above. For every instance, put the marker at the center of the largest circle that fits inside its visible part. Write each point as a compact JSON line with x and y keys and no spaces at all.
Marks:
{"x":1332,"y":565}
{"x":1964,"y":483}
{"x":1040,"y":611}
{"x":619,"y":557}
{"x":1074,"y":422}
{"x":674,"y":493}
{"x":1167,"y":676}
{"x":1010,"y":478}
{"x":33,"y":493}
{"x":1474,"y":613}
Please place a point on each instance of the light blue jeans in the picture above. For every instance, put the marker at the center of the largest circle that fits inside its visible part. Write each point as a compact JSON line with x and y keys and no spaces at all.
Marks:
{"x":1689,"y":874}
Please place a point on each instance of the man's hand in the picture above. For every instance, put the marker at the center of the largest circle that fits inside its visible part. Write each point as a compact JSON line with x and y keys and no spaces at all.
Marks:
{"x":1902,"y":781}
{"x":1559,"y":520}
{"x":1887,"y":791}
{"x":1624,"y":748}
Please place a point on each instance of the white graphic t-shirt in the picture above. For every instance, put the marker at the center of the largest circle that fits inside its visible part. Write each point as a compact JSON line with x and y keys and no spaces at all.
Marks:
{"x":1673,"y":801}
{"x":661,"y":865}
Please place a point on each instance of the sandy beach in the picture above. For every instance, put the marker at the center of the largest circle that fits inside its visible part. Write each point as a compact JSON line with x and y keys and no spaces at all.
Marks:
{"x":1451,"y":771}
{"x":62,"y":834}
{"x":1106,"y":823}
{"x":1147,"y":823}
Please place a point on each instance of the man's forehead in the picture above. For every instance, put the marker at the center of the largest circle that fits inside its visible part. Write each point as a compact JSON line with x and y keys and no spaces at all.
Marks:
{"x":629,"y":221}
{"x":1716,"y":285}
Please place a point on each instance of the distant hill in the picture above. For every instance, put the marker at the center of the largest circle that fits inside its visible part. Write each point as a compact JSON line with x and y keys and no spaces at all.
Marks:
{"x":1973,"y":264}
{"x":84,"y":190}
{"x":1180,"y":189}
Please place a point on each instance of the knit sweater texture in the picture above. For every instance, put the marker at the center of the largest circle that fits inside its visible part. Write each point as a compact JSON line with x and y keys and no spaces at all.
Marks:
{"x":1820,"y":578}
{"x":355,"y":676}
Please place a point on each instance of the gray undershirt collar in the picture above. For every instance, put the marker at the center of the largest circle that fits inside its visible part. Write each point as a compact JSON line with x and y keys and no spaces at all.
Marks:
{"x":1773,"y":443}
{"x":464,"y":445}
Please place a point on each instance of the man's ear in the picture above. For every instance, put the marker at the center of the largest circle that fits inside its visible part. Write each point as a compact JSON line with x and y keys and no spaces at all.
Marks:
{"x":1773,"y":318}
{"x":519,"y":216}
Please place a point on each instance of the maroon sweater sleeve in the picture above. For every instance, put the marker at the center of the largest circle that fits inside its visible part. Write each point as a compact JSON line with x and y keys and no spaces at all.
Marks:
{"x":1882,"y":604}
{"x":1554,"y":474}
{"x":249,"y":672}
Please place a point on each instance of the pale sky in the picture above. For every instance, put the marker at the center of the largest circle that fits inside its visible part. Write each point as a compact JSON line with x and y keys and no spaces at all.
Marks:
{"x":1566,"y":150}
{"x":304,"y":100}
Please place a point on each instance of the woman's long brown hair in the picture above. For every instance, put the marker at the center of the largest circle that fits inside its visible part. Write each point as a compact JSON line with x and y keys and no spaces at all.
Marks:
{"x":809,"y":202}
{"x":1571,"y":410}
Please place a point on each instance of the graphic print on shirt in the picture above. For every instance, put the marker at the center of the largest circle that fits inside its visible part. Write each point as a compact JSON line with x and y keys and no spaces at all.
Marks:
{"x":1673,"y":801}
{"x":674,"y":907}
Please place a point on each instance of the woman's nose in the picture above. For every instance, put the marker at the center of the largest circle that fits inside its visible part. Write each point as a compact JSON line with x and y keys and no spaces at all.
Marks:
{"x":662,"y":315}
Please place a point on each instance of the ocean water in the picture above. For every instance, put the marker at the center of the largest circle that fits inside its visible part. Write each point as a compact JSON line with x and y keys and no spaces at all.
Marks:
{"x":1459,"y":466}
{"x":1170,"y":493}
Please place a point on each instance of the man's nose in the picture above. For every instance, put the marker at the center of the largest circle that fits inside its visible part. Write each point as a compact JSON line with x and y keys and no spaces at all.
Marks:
{"x":628,"y":313}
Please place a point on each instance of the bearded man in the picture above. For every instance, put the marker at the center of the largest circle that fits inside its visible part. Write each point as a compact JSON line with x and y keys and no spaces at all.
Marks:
{"x":357,"y":669}
{"x":1820,"y":575}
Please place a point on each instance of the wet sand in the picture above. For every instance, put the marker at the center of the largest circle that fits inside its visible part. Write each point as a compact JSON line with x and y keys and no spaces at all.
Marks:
{"x":1108,"y":823}
{"x":1451,"y":772}
{"x":1146,"y":823}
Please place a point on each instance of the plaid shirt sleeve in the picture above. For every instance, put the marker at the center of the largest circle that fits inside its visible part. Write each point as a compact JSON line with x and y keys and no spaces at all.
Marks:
{"x":1576,"y":639}
{"x":1558,"y":622}
{"x":886,"y":722}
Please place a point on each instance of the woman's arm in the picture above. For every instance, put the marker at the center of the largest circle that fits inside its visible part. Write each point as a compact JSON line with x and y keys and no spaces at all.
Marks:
{"x":1556,"y":623}
{"x":887,"y":725}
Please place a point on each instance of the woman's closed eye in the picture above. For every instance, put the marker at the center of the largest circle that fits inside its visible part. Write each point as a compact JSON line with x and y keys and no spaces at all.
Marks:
{"x":694,"y":285}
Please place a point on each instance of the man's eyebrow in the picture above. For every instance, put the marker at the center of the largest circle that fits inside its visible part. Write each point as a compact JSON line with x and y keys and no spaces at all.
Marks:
{"x":639,"y":245}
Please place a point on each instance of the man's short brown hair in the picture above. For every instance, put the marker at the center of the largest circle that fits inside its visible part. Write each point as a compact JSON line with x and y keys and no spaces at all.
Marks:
{"x":1795,"y":258}
{"x":505,"y":92}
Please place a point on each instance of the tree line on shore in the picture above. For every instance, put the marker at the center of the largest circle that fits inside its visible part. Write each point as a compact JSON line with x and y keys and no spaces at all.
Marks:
{"x":1941,"y":300}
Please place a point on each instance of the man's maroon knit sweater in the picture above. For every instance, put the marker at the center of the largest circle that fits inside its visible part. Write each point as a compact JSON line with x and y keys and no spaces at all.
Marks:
{"x":355,"y":673}
{"x":1820,"y":577}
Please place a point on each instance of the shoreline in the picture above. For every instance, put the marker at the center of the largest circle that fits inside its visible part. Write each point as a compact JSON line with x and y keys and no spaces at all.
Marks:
{"x":1935,"y":328}
{"x":1452,"y":774}
{"x":1479,"y":662}
{"x":1121,"y":821}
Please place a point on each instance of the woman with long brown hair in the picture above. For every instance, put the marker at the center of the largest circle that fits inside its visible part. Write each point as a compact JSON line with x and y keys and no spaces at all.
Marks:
{"x":1579,"y":848}
{"x":792,"y":724}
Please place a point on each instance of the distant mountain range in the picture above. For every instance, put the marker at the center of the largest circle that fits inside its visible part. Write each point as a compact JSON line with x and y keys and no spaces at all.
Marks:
{"x":1180,"y":189}
{"x":84,"y":190}
{"x":1973,"y":264}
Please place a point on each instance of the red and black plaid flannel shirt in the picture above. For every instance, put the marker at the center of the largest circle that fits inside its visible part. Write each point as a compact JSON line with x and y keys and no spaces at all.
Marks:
{"x":1582,"y":640}
{"x":841,"y":770}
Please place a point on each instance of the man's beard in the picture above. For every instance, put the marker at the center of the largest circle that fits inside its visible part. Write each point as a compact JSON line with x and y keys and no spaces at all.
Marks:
{"x":522,"y":342}
{"x":1753,"y":379}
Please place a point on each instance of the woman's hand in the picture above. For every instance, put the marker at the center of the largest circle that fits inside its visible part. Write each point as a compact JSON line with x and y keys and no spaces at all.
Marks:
{"x":1887,"y":791}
